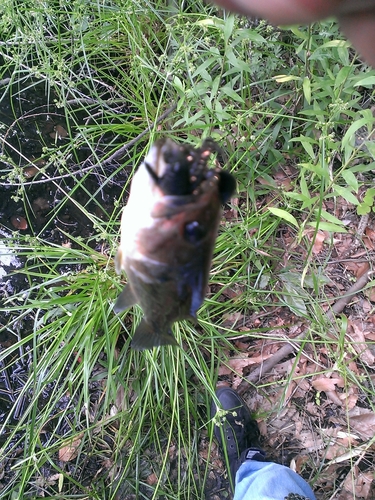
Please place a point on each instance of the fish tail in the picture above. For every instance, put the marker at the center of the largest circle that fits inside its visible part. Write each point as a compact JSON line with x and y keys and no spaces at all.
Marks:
{"x":146,"y":337}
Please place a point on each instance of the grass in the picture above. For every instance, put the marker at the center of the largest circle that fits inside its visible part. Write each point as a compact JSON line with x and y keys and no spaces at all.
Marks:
{"x":89,"y":417}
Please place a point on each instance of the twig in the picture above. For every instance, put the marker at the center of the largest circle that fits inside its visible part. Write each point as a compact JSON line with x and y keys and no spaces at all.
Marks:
{"x":115,"y":156}
{"x":289,"y":348}
{"x":267,"y":365}
{"x":120,"y":152}
{"x":341,"y":303}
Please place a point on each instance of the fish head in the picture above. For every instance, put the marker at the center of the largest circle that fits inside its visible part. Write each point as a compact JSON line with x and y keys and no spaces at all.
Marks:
{"x":174,"y":206}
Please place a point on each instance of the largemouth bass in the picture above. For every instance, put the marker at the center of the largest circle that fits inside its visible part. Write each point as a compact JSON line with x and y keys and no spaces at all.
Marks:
{"x":168,"y":233}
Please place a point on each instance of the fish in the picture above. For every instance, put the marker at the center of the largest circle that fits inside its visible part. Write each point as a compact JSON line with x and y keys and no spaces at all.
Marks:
{"x":168,"y":232}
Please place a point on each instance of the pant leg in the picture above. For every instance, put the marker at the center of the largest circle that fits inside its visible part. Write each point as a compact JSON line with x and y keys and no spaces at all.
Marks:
{"x":269,"y":481}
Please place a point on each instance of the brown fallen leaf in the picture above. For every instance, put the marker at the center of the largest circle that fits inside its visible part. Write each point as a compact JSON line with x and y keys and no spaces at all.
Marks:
{"x":363,"y":424}
{"x":337,"y":442}
{"x":370,"y":293}
{"x":357,"y":268}
{"x":152,"y":479}
{"x":357,"y":483}
{"x":70,"y":450}
{"x":318,"y":241}
{"x":59,"y":132}
{"x":325,"y":384}
{"x":369,"y":239}
{"x":356,"y":334}
{"x":241,"y":361}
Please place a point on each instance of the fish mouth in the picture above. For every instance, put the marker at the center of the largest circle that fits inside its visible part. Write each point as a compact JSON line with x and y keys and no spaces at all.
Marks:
{"x":178,"y":169}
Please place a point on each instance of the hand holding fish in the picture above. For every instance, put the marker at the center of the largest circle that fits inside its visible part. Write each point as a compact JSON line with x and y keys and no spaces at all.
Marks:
{"x":168,"y":232}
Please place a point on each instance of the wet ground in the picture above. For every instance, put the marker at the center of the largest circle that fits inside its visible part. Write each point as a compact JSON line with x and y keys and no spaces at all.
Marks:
{"x":33,"y":203}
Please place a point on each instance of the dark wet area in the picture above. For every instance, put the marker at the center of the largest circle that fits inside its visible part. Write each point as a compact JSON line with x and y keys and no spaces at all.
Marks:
{"x":56,"y":190}
{"x":39,"y":167}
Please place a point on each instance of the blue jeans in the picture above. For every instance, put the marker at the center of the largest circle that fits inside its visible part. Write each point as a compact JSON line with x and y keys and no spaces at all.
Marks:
{"x":268,"y":481}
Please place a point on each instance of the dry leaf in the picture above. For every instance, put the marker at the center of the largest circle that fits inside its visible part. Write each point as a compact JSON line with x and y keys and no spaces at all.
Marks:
{"x":357,"y":268}
{"x":358,"y":483}
{"x":70,"y":451}
{"x":318,"y":242}
{"x":364,"y":424}
{"x":370,"y":293}
{"x":359,"y":344}
{"x":325,"y":384}
{"x":241,"y":361}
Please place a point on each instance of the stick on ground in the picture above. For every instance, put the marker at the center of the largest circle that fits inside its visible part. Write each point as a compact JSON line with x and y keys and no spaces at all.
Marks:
{"x":294,"y":344}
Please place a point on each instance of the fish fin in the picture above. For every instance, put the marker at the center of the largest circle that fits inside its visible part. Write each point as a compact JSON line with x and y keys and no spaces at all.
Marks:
{"x":146,"y":337}
{"x":198,"y":289}
{"x":118,"y":261}
{"x":193,"y":317}
{"x":125,"y":300}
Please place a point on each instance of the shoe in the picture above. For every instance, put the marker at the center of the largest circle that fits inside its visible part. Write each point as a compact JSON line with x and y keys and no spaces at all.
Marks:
{"x":235,"y":430}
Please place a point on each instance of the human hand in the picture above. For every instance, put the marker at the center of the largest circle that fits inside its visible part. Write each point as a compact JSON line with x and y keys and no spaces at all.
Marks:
{"x":356,"y":17}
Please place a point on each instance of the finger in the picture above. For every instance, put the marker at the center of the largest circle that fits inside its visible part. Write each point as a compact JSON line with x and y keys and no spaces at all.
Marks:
{"x":360,"y":29}
{"x":283,"y":11}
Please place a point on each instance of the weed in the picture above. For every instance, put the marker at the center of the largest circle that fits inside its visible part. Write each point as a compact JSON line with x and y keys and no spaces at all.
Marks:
{"x":84,"y":416}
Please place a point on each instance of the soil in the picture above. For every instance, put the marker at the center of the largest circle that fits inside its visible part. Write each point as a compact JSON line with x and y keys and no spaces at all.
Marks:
{"x":310,"y":433}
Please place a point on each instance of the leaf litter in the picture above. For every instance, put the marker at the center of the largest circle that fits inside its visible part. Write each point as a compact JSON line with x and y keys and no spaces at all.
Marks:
{"x":315,"y":408}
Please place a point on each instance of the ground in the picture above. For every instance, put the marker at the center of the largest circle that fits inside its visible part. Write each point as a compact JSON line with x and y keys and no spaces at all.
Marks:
{"x":325,"y":382}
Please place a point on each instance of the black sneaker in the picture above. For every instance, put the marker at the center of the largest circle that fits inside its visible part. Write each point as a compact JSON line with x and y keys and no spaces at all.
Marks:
{"x":236,"y":432}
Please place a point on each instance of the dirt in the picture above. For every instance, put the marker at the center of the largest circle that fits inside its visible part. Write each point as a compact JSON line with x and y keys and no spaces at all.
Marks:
{"x":312,"y":417}
{"x":309,"y":433}
{"x":33,"y":203}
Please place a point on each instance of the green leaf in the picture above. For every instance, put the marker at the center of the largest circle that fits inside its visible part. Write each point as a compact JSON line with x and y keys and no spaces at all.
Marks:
{"x":283,"y":214}
{"x":363,"y":209}
{"x":303,"y":184}
{"x":317,"y":169}
{"x":328,"y":226}
{"x":345,"y":193}
{"x":329,"y":217}
{"x":215,"y":86}
{"x":248,"y":34}
{"x":232,"y":94}
{"x":228,"y":27}
{"x":308,"y":148}
{"x":352,"y":130}
{"x":342,"y":76}
{"x":369,"y":167}
{"x":306,"y":201}
{"x":368,"y":81}
{"x":299,"y":33}
{"x":351,"y":179}
{"x":333,"y":43}
{"x":369,"y":198}
{"x":307,"y":89}
{"x":294,"y":299}
{"x":205,"y":64}
{"x":235,"y":62}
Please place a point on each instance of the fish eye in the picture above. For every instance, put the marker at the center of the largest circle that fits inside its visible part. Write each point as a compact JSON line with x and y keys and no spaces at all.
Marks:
{"x":194,"y":232}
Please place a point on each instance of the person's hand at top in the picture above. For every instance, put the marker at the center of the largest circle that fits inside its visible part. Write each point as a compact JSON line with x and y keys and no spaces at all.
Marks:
{"x":356,"y":17}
